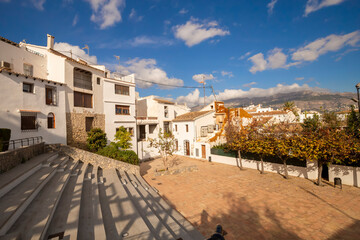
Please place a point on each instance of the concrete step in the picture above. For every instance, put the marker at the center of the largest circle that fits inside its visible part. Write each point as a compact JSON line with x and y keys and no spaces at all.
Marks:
{"x":99,"y":230}
{"x":14,"y":203}
{"x":167,"y":220}
{"x":178,"y":218}
{"x":86,"y":226}
{"x":34,"y":221}
{"x":58,"y":223}
{"x":121,"y":218}
{"x":72,"y":220}
{"x":15,"y":176}
{"x":155,"y":224}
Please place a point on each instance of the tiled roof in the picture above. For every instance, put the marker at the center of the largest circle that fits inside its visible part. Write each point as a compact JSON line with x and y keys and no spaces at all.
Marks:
{"x":71,"y":59}
{"x":27,"y":76}
{"x":9,"y":41}
{"x":163,"y":101}
{"x":191,"y":116}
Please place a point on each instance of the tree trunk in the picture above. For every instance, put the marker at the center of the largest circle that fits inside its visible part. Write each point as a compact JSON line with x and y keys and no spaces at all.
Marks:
{"x":262,"y":166}
{"x":320,"y":167}
{"x":285,"y":169}
{"x":240,"y":163}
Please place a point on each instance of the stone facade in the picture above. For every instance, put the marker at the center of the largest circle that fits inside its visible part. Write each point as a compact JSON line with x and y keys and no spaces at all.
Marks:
{"x":12,"y":158}
{"x":76,"y":127}
{"x":95,"y":159}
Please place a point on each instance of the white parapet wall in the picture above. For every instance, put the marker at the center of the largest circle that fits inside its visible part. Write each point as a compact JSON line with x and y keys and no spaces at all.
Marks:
{"x":348,"y":175}
{"x":309,"y":172}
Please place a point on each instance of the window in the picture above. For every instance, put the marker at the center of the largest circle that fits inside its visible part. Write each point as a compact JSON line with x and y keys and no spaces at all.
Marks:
{"x":210,"y":128}
{"x":82,"y":79}
{"x":130,"y":130}
{"x":89,"y":123}
{"x":50,"y":95}
{"x":123,"y":90}
{"x":204,"y":131}
{"x":28,"y":121}
{"x":98,"y":81}
{"x":187,"y":128}
{"x":82,"y":100}
{"x":166,"y":126}
{"x":176,"y":145}
{"x":197,"y":152}
{"x":152,"y":128}
{"x":28,"y":87}
{"x":28,"y":69}
{"x":175,"y":127}
{"x":122,"y":110}
{"x":166,"y":113}
{"x":51,"y":120}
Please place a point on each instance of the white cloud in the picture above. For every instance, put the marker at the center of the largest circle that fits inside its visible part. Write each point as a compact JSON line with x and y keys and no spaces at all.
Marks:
{"x":106,"y":12}
{"x":38,"y":4}
{"x":75,"y":20}
{"x":194,"y":32}
{"x":244,"y":56}
{"x":202,"y":77}
{"x":248,"y":85}
{"x":65,"y":48}
{"x":299,"y":78}
{"x":277,"y":59}
{"x":229,"y":74}
{"x":183,"y":11}
{"x":193,"y":98}
{"x":314,"y":5}
{"x":134,"y":16}
{"x":146,"y":69}
{"x":271,"y":6}
{"x":138,"y":42}
{"x":323,"y":45}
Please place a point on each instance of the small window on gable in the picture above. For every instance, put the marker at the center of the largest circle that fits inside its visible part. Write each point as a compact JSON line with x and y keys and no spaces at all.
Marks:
{"x":28,"y":87}
{"x":98,"y":81}
{"x":51,"y":120}
{"x":28,"y":69}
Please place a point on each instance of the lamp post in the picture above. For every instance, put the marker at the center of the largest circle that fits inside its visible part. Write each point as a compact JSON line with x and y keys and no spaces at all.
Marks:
{"x":357,"y":88}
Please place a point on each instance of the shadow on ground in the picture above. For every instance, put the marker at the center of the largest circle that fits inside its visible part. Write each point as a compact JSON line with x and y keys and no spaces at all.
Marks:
{"x":251,"y":225}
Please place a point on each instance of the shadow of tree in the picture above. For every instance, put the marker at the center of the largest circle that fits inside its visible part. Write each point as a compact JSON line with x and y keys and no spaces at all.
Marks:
{"x":351,"y":232}
{"x":242,"y":221}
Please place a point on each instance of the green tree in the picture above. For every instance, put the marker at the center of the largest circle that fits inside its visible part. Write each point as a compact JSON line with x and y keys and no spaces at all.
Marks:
{"x":96,"y":139}
{"x":165,"y":143}
{"x":122,"y":139}
{"x":353,"y":123}
{"x":330,"y":120}
{"x":311,"y":124}
{"x":290,"y":106}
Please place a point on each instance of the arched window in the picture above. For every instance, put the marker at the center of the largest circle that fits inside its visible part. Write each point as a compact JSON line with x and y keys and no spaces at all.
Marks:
{"x":51,"y":120}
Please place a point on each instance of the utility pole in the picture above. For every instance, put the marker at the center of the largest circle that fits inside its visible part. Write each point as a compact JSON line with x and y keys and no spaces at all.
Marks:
{"x":213,"y":93}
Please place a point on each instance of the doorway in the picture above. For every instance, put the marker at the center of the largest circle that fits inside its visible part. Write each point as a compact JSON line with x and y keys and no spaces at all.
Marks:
{"x":203,"y":151}
{"x":187,"y":148}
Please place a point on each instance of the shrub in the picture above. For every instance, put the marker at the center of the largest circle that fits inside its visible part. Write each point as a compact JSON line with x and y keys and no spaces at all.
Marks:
{"x":5,"y":134}
{"x":123,"y":138}
{"x":127,"y":156}
{"x":96,"y":139}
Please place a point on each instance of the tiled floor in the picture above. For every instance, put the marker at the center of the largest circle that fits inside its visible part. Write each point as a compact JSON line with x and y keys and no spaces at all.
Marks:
{"x":250,"y":205}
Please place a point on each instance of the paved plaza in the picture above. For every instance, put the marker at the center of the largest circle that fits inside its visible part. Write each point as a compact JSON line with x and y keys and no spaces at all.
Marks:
{"x":250,"y":205}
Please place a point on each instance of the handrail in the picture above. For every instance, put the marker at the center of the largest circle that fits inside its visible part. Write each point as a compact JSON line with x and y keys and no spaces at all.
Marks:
{"x":23,"y":142}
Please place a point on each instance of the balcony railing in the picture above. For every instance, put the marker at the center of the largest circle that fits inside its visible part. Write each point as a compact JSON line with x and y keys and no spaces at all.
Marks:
{"x":146,"y":118}
{"x":16,"y":143}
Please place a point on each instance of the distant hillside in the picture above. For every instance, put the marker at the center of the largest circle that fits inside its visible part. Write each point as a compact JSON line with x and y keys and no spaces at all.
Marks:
{"x":305,"y":100}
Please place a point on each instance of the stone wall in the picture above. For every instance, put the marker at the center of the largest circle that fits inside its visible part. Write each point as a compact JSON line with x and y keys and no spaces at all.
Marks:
{"x":12,"y":158}
{"x":76,"y":127}
{"x":95,"y":159}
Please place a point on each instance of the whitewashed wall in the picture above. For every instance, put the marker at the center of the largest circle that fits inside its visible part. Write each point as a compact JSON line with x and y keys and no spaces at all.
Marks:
{"x":310,"y":172}
{"x":348,"y":175}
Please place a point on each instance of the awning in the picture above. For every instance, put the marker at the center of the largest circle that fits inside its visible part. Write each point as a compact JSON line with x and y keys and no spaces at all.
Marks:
{"x":28,"y":111}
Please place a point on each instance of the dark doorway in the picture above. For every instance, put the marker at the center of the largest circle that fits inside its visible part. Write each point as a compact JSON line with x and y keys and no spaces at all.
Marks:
{"x":187,"y":148}
{"x":325,"y":172}
{"x":203,"y":151}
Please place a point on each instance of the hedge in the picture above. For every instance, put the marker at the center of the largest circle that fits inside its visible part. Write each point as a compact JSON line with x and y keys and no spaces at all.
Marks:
{"x":127,"y":156}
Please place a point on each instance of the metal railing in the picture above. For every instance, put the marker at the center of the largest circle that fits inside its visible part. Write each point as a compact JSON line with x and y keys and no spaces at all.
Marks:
{"x":16,"y":143}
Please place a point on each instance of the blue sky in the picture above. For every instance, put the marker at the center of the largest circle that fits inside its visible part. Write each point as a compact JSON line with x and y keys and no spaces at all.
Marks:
{"x":242,"y":48}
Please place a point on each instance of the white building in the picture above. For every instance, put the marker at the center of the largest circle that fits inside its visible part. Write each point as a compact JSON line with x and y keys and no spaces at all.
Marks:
{"x":308,"y":114}
{"x":119,"y":106}
{"x":192,"y":132}
{"x":152,"y":114}
{"x":257,"y":109}
{"x":275,"y":117}
{"x":31,"y":103}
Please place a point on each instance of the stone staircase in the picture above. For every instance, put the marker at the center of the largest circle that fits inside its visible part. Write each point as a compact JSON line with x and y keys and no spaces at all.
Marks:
{"x":54,"y":197}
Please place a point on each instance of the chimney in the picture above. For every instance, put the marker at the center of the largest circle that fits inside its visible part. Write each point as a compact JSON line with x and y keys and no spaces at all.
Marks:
{"x":50,"y":42}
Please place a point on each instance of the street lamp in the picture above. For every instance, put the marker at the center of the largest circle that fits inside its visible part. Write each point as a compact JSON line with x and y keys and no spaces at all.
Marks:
{"x":357,"y":88}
